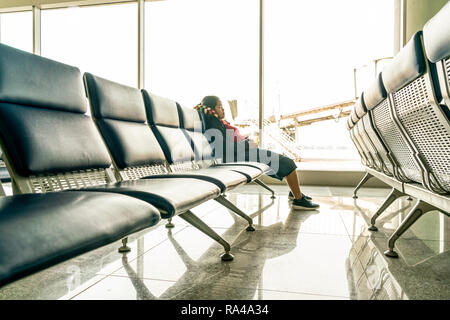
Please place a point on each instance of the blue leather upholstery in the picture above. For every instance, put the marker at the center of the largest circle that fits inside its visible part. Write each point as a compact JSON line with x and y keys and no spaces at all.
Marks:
{"x":192,"y":127}
{"x":42,"y":108}
{"x":21,"y":79}
{"x":120,"y":115}
{"x":132,"y":142}
{"x":41,"y":230}
{"x":172,"y":194}
{"x":111,"y":100}
{"x":41,"y":140}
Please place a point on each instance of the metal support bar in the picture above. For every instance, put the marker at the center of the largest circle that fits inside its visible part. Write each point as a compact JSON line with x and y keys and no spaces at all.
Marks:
{"x":203,"y":227}
{"x":36,"y":30}
{"x":169,"y":224}
{"x":394,"y":195}
{"x":141,"y":43}
{"x":124,"y":247}
{"x":366,"y":177}
{"x":229,"y":205}
{"x":261,"y":74}
{"x":2,"y":191}
{"x":416,"y":212}
{"x":265,"y":186}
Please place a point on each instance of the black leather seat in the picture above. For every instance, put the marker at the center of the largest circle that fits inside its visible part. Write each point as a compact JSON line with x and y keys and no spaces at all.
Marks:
{"x":193,"y":128}
{"x":172,"y":195}
{"x":163,"y":118}
{"x":41,"y":230}
{"x":53,"y":145}
{"x":120,"y":114}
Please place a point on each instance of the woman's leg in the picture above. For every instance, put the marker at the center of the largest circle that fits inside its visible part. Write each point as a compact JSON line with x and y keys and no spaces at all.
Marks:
{"x":292,"y":181}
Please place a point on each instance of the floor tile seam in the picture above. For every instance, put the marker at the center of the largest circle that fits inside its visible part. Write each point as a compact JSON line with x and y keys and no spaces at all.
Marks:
{"x":140,"y":255}
{"x":235,"y":287}
{"x":385,"y":236}
{"x":90,"y":286}
{"x":284,"y":291}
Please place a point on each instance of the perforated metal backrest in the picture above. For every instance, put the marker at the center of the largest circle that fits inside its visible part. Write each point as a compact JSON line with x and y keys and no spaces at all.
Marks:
{"x":427,"y":127}
{"x":436,"y":37}
{"x":369,"y":161}
{"x":392,"y":137}
{"x":372,"y":96}
{"x":366,"y":145}
{"x":364,"y":160}
{"x":385,"y":164}
{"x":425,"y":124}
{"x":377,"y":160}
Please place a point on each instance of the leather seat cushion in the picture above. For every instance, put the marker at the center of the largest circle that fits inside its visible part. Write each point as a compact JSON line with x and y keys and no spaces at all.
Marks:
{"x":43,"y":140}
{"x":225,"y":180}
{"x":40,"y":230}
{"x":262,"y":166}
{"x":407,"y":65}
{"x":436,"y":35}
{"x":171,"y":195}
{"x":252,"y":170}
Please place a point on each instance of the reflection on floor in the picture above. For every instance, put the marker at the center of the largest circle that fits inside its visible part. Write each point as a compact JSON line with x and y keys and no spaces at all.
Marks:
{"x":324,"y":254}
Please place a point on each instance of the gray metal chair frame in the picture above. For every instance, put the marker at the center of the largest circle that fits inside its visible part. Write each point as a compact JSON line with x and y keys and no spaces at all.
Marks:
{"x":422,"y":122}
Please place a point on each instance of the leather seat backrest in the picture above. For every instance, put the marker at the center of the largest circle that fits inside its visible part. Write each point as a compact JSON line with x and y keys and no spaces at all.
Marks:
{"x":407,"y":65}
{"x":360,"y":107}
{"x":43,"y":125}
{"x":192,"y":126}
{"x":119,"y":112}
{"x":162,"y":115}
{"x":375,"y":93}
{"x":436,"y":35}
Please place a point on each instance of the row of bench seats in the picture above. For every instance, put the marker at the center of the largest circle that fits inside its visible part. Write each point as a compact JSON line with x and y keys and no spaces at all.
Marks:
{"x":400,"y":125}
{"x":82,"y":181}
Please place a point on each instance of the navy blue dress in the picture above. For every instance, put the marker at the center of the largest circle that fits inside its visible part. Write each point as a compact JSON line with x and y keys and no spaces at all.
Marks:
{"x":281,"y":165}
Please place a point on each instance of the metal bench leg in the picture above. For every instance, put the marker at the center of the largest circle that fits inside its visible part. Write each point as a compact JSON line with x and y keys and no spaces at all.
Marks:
{"x":416,"y":212}
{"x":228,"y":204}
{"x":265,"y":186}
{"x":169,"y":224}
{"x":390,"y":198}
{"x":360,"y":184}
{"x":203,"y":227}
{"x":2,"y":191}
{"x":124,"y":247}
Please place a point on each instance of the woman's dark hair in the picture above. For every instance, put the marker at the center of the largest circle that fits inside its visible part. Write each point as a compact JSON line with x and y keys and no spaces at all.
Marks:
{"x":210,"y":101}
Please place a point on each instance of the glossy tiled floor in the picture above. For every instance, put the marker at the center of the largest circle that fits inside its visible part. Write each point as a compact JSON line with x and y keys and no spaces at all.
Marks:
{"x":324,"y":254}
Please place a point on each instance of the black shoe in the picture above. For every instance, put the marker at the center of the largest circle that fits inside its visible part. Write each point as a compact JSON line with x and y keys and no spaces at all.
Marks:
{"x":291,"y":196}
{"x":304,"y":204}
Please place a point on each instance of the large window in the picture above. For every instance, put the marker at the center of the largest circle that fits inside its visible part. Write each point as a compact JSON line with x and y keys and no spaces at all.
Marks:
{"x":204,"y":47}
{"x":16,"y":30}
{"x":311,"y":49}
{"x":195,"y":48}
{"x":97,"y":39}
